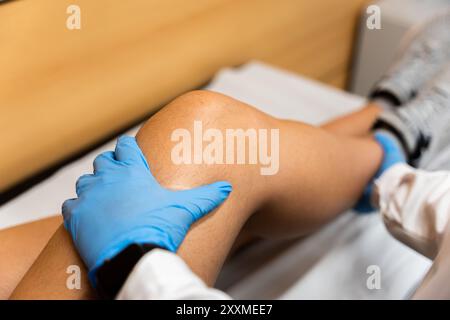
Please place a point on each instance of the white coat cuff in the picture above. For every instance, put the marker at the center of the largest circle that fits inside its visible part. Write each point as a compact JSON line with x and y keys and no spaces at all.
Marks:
{"x":161,"y":274}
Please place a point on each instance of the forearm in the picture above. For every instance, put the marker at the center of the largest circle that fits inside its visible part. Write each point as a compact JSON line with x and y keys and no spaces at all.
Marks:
{"x":163,"y":275}
{"x":416,"y":209}
{"x":415,"y":206}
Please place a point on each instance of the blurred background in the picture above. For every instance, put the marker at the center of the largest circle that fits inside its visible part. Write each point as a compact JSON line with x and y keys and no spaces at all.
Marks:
{"x":64,"y":90}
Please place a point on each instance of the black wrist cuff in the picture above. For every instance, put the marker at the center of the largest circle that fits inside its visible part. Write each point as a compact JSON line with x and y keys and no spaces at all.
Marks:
{"x":387,"y":96}
{"x":114,"y":272}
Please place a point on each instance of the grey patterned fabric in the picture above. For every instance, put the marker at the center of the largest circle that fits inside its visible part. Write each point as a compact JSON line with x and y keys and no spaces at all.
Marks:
{"x":423,"y":118}
{"x":418,"y":81}
{"x":427,"y":49}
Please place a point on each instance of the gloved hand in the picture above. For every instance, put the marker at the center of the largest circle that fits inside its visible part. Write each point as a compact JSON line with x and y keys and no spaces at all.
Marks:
{"x":392,"y":154}
{"x":122,"y":203}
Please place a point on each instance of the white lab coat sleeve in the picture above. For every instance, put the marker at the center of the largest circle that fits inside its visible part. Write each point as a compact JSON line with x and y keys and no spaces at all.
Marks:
{"x":415,"y":206}
{"x":161,"y":275}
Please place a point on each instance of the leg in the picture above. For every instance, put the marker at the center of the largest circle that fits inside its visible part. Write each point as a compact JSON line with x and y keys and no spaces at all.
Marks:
{"x":19,"y":247}
{"x":358,"y":123}
{"x":292,"y":200}
{"x":46,"y":279}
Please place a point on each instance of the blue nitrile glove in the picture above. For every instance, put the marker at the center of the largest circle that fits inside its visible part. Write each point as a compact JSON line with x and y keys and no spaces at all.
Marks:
{"x":392,"y":154}
{"x":122,"y":203}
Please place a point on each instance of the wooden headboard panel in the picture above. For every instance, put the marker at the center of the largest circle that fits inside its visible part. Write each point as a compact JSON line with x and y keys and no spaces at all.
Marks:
{"x":62,"y":90}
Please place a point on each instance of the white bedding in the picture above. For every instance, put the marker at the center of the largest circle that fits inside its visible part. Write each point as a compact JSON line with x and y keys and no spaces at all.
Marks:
{"x":330,"y":264}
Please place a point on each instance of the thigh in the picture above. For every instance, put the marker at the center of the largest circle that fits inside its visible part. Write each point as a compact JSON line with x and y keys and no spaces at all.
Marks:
{"x":20,"y":246}
{"x":57,"y":273}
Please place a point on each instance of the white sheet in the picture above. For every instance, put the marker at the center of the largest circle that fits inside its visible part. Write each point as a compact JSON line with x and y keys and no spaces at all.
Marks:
{"x":331,"y":264}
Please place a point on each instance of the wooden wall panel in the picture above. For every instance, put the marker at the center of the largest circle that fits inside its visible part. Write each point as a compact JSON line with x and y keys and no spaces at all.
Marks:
{"x":63,"y":90}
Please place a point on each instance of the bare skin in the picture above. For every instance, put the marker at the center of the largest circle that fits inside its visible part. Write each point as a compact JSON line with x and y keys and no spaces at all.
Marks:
{"x":322,"y":173}
{"x":20,"y":246}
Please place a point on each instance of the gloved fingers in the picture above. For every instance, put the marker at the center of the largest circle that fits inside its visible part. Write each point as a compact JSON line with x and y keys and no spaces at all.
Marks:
{"x":364,"y":204}
{"x":128,"y":151}
{"x":202,"y":200}
{"x":385,"y":141}
{"x":104,"y":161}
{"x":83,"y":182}
{"x":391,"y":150}
{"x":66,"y":209}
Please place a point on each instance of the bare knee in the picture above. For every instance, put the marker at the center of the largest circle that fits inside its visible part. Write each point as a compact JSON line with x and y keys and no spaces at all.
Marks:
{"x":210,"y":107}
{"x":214,"y":235}
{"x":213,"y":110}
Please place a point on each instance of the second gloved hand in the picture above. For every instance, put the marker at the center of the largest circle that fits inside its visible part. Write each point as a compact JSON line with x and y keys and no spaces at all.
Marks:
{"x":122,"y":203}
{"x":392,"y":154}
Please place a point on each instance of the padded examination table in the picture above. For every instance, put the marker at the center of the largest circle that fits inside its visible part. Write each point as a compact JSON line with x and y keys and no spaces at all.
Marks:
{"x":330,"y":264}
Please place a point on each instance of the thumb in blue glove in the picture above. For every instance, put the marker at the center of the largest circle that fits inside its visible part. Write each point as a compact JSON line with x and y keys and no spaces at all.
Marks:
{"x":392,"y":154}
{"x":123,"y":204}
